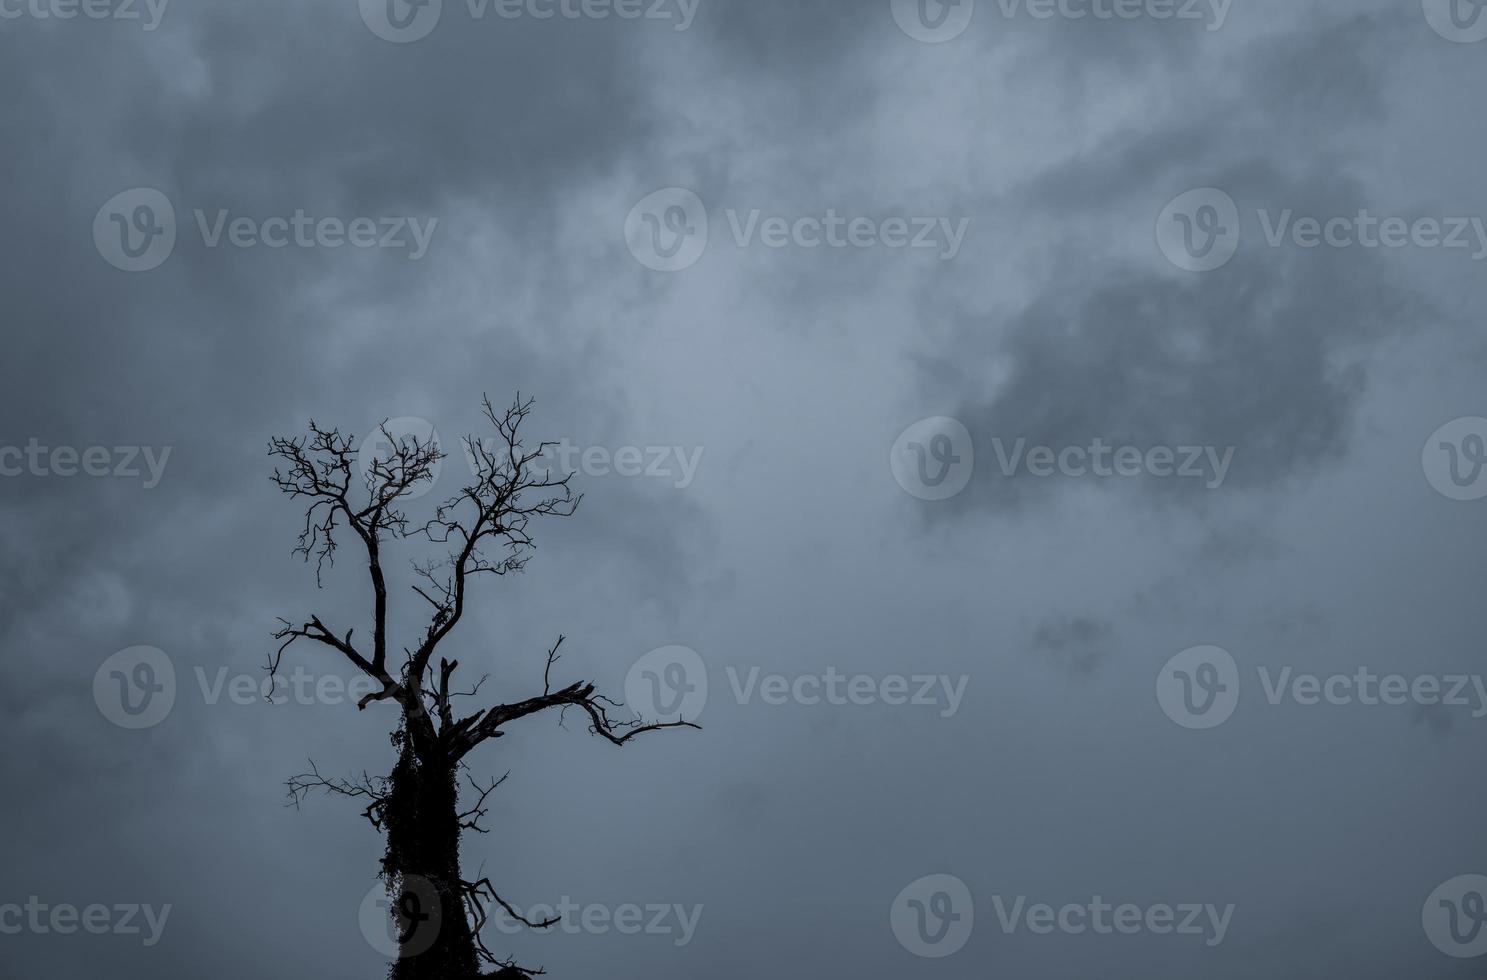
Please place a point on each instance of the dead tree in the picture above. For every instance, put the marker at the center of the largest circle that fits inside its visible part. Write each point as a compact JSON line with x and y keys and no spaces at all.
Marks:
{"x":418,"y":806}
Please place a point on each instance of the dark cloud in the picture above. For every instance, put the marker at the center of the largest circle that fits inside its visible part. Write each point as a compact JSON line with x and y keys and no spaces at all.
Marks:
{"x":1258,"y":358}
{"x":1079,"y":643}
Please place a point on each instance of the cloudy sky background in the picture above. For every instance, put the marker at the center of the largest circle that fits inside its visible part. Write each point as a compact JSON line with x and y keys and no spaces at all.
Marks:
{"x":794,"y":549}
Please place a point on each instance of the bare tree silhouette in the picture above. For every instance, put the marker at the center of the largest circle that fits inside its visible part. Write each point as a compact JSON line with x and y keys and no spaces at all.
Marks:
{"x":418,"y":806}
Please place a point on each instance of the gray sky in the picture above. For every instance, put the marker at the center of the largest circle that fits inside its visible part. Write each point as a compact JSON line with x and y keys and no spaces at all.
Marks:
{"x":981,"y":221}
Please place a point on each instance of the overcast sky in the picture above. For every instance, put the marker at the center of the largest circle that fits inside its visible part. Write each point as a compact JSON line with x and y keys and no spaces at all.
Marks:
{"x":1010,"y":413}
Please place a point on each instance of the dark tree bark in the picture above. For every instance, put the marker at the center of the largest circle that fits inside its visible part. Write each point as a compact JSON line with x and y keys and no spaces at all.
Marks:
{"x":423,"y":853}
{"x":419,"y":806}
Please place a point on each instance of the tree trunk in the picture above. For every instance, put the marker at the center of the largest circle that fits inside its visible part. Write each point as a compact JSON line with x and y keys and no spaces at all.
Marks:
{"x":422,"y":867}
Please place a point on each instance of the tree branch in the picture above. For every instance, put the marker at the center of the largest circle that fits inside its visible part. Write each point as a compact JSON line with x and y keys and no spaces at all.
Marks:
{"x":465,"y":734}
{"x":470,"y":819}
{"x":316,"y":630}
{"x":318,"y":468}
{"x":493,"y":511}
{"x":374,"y":789}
